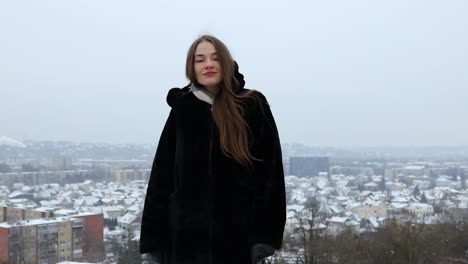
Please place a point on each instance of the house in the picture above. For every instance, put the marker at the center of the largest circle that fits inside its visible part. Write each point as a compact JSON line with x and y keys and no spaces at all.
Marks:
{"x":420,"y":209}
{"x":336,"y":225}
{"x":128,"y":221}
{"x":114,"y":211}
{"x":369,"y":209}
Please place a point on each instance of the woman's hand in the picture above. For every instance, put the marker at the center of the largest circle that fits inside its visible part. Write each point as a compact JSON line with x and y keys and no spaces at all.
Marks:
{"x":260,"y":251}
{"x":157,"y":256}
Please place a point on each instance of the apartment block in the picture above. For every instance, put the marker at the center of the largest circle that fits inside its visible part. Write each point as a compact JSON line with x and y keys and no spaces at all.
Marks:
{"x":13,"y":214}
{"x":41,"y":240}
{"x":130,"y":175}
{"x":308,"y":166}
{"x":51,"y":240}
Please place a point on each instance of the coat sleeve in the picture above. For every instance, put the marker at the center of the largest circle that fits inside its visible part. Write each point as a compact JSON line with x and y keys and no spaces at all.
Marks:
{"x":268,"y":208}
{"x":154,"y":223}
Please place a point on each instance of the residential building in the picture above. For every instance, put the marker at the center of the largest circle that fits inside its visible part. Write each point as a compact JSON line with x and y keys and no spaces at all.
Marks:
{"x":308,"y":166}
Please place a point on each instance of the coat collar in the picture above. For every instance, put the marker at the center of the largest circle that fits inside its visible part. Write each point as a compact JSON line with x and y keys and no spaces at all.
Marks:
{"x":202,"y":94}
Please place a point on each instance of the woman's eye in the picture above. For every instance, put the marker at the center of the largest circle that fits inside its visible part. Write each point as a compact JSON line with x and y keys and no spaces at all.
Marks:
{"x":199,"y":61}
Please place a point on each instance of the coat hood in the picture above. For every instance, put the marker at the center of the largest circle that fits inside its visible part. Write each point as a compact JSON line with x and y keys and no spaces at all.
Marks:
{"x":177,"y":96}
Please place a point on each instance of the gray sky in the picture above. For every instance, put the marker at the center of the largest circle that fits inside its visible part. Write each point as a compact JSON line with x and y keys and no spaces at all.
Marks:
{"x":336,"y":73}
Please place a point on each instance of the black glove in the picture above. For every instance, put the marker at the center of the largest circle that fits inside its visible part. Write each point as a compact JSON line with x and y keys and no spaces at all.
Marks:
{"x":157,"y":256}
{"x":261,"y":251}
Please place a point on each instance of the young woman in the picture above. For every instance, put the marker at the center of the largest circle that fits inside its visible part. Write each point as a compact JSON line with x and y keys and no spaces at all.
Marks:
{"x":216,"y":193}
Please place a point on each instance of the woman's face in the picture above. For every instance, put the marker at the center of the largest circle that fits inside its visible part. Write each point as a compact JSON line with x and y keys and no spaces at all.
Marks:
{"x":207,"y":67}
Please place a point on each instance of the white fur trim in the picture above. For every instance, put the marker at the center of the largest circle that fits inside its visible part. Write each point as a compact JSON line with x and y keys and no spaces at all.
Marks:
{"x":202,"y":94}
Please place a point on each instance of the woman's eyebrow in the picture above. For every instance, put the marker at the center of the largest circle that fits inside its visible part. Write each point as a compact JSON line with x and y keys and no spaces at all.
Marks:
{"x":202,"y":55}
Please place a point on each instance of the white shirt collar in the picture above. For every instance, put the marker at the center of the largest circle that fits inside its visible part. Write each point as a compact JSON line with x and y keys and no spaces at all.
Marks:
{"x":202,"y":94}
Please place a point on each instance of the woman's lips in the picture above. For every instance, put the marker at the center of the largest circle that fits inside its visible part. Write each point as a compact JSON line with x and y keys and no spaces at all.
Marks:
{"x":209,"y":74}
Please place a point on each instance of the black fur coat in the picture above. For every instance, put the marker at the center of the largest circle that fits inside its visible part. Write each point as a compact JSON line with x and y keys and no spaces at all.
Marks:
{"x":203,"y":207}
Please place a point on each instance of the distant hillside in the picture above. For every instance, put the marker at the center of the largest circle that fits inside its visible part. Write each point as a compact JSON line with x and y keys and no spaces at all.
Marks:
{"x":41,"y":149}
{"x":31,"y":149}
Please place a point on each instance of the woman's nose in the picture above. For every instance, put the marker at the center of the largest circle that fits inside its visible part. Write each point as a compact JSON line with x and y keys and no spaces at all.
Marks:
{"x":209,"y":63}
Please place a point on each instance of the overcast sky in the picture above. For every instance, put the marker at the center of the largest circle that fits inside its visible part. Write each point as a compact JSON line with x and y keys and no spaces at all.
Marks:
{"x":336,"y":73}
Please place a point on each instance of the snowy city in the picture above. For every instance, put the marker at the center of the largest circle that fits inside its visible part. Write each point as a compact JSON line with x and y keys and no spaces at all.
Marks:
{"x":335,"y":194}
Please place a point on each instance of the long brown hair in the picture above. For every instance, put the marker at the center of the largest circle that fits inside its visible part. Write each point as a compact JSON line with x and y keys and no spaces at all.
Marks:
{"x":228,"y":106}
